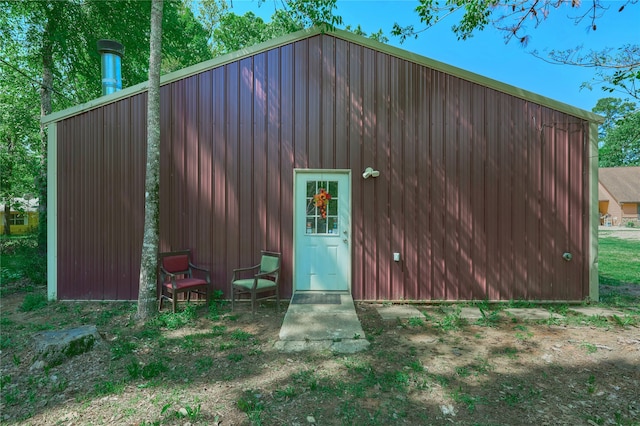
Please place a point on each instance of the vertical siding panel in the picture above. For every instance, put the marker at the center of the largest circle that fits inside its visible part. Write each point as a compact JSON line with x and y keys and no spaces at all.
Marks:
{"x":64,"y":236}
{"x":534,"y":212}
{"x":355,"y":135}
{"x":491,"y":192}
{"x":397,"y":188}
{"x":478,"y":190}
{"x":259,"y":192}
{"x":314,"y":140}
{"x":382,"y":184}
{"x":111,"y":191}
{"x":232,"y":117}
{"x":505,"y":199}
{"x":519,"y":220}
{"x":369,"y":213}
{"x":123,"y":182}
{"x":273,"y":170}
{"x":166,"y":164}
{"x":223,"y":193}
{"x":328,"y":103}
{"x":452,"y":187}
{"x":138,"y":155}
{"x":287,"y":161}
{"x":205,"y":219}
{"x":548,"y":206}
{"x":93,"y":176}
{"x":190,"y":185}
{"x":301,"y":109}
{"x":409,"y":251}
{"x":563,"y":176}
{"x":178,"y":225}
{"x":438,"y":184}
{"x":246,"y":164}
{"x":465,"y":283}
{"x":424,"y":183}
{"x":342,"y":92}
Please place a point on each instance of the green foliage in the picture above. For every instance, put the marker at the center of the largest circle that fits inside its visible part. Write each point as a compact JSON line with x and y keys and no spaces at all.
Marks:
{"x":33,"y":302}
{"x":153,"y":369}
{"x":21,"y":260}
{"x":178,"y":320}
{"x":620,"y":142}
{"x":121,"y":348}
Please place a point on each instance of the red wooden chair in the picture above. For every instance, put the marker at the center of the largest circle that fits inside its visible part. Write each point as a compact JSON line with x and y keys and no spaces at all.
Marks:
{"x":177,"y":276}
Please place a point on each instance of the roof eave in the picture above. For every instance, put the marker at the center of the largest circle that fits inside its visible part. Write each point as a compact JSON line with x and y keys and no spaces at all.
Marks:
{"x":344,"y":35}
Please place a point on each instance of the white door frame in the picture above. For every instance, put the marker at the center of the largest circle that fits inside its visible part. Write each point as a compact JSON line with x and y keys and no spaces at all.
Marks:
{"x":345,"y":226}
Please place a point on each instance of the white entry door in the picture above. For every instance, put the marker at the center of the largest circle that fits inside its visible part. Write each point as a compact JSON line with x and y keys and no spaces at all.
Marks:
{"x":322,"y":230}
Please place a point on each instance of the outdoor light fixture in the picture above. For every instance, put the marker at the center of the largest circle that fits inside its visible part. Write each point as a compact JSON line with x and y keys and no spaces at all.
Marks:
{"x":369,"y":172}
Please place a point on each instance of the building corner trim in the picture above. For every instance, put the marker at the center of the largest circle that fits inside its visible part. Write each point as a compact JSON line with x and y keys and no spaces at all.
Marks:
{"x":52,"y":211}
{"x":594,"y":214}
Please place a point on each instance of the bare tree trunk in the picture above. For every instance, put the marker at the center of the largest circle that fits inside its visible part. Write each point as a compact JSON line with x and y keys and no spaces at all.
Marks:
{"x":147,"y":293}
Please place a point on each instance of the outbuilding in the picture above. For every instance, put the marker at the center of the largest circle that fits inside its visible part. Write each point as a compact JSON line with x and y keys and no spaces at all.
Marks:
{"x":444,"y":185}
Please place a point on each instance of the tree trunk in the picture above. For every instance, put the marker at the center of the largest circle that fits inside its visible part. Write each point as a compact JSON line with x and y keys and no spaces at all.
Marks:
{"x":147,"y":293}
{"x":6,"y":219}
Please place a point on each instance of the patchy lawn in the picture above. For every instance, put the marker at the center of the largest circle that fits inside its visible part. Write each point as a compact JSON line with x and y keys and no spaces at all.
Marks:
{"x":209,"y":366}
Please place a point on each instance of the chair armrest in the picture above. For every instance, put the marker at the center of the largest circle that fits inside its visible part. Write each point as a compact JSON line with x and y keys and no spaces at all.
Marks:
{"x":206,"y":271}
{"x":165,"y":272}
{"x":238,"y":271}
{"x":250,"y":268}
{"x":264,"y":274}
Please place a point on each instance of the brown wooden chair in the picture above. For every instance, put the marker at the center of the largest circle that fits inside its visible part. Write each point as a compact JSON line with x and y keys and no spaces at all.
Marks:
{"x":177,"y":276}
{"x":261,"y":278}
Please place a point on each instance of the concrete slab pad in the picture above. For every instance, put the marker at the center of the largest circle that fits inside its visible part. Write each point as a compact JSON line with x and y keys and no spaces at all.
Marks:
{"x":347,"y":346}
{"x":535,"y":314}
{"x":596,"y":311}
{"x":322,"y":326}
{"x":393,"y":312}
{"x":470,"y":313}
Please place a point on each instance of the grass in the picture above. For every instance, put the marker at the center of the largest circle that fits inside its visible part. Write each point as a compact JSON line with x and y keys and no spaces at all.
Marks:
{"x":170,"y":354}
{"x":618,"y":261}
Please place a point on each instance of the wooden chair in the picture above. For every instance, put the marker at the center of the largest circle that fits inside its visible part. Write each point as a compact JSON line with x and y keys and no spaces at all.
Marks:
{"x":262,"y":278}
{"x":177,"y":276}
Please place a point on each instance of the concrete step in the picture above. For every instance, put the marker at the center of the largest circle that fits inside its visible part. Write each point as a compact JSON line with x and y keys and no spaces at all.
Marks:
{"x":320,"y":322}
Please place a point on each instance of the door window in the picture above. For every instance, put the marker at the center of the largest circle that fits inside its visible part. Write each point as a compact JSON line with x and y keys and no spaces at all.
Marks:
{"x":322,"y":207}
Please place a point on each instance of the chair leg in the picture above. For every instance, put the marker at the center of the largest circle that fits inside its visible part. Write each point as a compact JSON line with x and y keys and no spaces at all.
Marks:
{"x":253,"y":303}
{"x":277,"y":301}
{"x":233,"y":299}
{"x":174,"y":300}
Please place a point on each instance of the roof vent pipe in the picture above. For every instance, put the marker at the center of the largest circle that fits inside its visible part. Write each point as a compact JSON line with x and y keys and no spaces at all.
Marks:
{"x":111,"y":58}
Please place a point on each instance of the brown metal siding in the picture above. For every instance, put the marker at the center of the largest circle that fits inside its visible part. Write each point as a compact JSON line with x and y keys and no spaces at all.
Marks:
{"x":481,"y":192}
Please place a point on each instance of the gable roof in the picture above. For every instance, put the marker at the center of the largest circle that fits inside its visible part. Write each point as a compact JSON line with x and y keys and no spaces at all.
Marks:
{"x":623,"y":183}
{"x":341,"y":34}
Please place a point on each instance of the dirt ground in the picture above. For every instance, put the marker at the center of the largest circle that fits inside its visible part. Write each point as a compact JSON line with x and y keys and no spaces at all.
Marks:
{"x":222,"y":368}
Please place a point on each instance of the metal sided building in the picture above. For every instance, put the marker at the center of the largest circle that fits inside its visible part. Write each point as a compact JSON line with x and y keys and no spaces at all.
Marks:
{"x":443,"y":184}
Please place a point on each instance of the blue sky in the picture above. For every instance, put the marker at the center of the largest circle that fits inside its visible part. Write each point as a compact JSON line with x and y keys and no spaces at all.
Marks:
{"x":487,"y":54}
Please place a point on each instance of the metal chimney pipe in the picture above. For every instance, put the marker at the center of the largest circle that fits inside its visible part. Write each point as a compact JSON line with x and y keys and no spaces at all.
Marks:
{"x":111,"y":58}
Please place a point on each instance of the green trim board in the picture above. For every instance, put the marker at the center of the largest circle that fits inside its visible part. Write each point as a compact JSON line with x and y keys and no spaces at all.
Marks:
{"x":341,"y":34}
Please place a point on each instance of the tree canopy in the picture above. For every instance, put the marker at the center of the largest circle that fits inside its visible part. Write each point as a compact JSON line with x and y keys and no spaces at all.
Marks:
{"x":620,"y":134}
